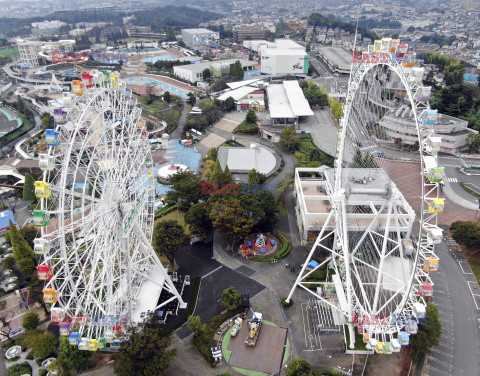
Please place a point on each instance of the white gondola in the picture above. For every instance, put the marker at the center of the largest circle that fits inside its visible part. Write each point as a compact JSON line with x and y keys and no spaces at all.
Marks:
{"x":41,"y":246}
{"x":434,"y":235}
{"x":46,"y":162}
{"x":433,"y":144}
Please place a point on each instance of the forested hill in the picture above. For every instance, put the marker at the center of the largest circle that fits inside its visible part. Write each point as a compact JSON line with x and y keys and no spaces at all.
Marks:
{"x":317,"y":19}
{"x":158,"y":18}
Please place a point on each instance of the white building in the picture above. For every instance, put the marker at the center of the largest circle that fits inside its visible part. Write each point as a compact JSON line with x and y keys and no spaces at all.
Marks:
{"x":28,"y":52}
{"x":313,"y":191}
{"x":194,"y":72}
{"x":197,"y":39}
{"x":281,"y":57}
{"x":47,"y":28}
{"x":399,"y":126}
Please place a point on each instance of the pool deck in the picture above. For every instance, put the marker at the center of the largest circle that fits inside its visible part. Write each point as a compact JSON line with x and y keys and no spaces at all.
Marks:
{"x":142,"y":89}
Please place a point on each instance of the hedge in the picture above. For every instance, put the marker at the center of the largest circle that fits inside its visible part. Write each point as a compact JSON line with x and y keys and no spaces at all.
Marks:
{"x":246,"y":128}
{"x":203,"y":341}
{"x":286,"y":248}
{"x":165,"y":211}
{"x":469,"y":190}
{"x":190,"y":305}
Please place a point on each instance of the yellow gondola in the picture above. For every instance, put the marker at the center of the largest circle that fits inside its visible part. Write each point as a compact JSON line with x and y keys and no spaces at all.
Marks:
{"x":42,"y":189}
{"x":430,"y":265}
{"x":436,"y":205}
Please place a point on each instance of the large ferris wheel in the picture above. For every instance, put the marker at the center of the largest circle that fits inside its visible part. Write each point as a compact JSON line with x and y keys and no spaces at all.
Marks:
{"x":96,"y":216}
{"x":378,"y":239}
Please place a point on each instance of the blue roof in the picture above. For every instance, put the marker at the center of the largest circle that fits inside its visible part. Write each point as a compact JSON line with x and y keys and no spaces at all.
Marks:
{"x":5,"y":217}
{"x":313,"y":264}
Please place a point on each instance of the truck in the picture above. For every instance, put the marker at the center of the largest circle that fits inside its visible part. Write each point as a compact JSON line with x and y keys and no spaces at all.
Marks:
{"x":254,"y":327}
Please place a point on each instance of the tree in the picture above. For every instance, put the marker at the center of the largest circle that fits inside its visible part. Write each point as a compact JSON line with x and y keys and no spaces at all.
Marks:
{"x":168,"y":237}
{"x":29,"y":188}
{"x":227,"y":176}
{"x":21,"y":249}
{"x":212,"y":154}
{"x":191,"y":99}
{"x":30,"y":320}
{"x":145,"y":353}
{"x":428,"y":334}
{"x":194,"y":324}
{"x":231,"y":299}
{"x":253,"y":177}
{"x":42,"y":344}
{"x":217,"y":175}
{"x":237,"y":70}
{"x":467,"y":234}
{"x":288,"y":139}
{"x":251,"y":117}
{"x":181,"y":43}
{"x":167,"y":97}
{"x":229,"y":217}
{"x":473,"y":142}
{"x":198,"y":218}
{"x":170,"y":37}
{"x":187,"y":189}
{"x":47,"y":121}
{"x":229,"y":104}
{"x":206,"y":74}
{"x":300,"y":367}
{"x":73,"y":359}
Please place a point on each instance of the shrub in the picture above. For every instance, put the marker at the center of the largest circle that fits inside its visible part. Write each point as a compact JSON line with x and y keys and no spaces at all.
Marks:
{"x":246,"y":128}
{"x":20,"y":369}
{"x":466,"y":233}
{"x":285,"y":304}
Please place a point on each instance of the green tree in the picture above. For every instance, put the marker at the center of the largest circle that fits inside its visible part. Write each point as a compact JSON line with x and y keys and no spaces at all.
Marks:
{"x":227,"y":176}
{"x":206,"y":74}
{"x":251,"y":117}
{"x":198,"y":218}
{"x":168,"y":237}
{"x":467,"y":233}
{"x":229,"y":104}
{"x":229,"y":217}
{"x":231,"y":299}
{"x":27,"y":267}
{"x":42,"y":344}
{"x":218,"y":176}
{"x":428,"y":334}
{"x":30,"y":321}
{"x":289,"y":140}
{"x":187,"y":189}
{"x":145,"y":353}
{"x":212,"y":154}
{"x":194,"y":324}
{"x":170,"y":37}
{"x":21,"y":249}
{"x":73,"y":359}
{"x":47,"y":121}
{"x":300,"y":367}
{"x":473,"y":142}
{"x":167,"y":97}
{"x":191,"y":99}
{"x":237,"y":71}
{"x":253,"y":177}
{"x":29,"y":188}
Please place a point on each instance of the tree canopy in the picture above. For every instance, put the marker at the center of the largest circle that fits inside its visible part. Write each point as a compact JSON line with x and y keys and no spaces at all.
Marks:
{"x":237,"y":71}
{"x":231,"y":298}
{"x":30,"y":321}
{"x":168,"y":237}
{"x":230,"y":218}
{"x":187,"y":189}
{"x":289,"y":140}
{"x":72,"y":359}
{"x":300,"y":367}
{"x":429,"y":333}
{"x":198,"y":218}
{"x":29,"y":188}
{"x":251,"y":116}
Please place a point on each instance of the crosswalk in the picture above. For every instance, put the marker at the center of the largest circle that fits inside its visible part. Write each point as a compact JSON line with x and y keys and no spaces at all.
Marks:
{"x":452,"y":180}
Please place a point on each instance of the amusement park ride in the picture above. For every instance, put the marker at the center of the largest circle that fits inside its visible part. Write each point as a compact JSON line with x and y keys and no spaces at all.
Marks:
{"x":379,"y":252}
{"x":96,"y":216}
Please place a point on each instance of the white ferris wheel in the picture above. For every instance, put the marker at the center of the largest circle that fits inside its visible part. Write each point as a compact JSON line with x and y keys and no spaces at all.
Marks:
{"x":377,"y":241}
{"x":96,"y":216}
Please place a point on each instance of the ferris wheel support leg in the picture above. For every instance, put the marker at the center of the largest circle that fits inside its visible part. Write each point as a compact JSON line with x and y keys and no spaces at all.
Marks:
{"x":309,"y":257}
{"x":170,"y":286}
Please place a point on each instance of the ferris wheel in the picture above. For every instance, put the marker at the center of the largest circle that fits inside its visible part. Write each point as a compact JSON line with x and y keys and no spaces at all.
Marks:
{"x":96,"y":216}
{"x":378,"y":239}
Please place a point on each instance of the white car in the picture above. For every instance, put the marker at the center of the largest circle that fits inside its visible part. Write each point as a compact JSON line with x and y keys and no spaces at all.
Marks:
{"x":10,"y":287}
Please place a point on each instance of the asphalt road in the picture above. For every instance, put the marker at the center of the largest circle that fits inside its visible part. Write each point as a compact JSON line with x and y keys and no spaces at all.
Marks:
{"x":458,"y":350}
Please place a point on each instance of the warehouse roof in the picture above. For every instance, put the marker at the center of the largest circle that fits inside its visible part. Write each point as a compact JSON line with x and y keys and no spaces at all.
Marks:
{"x":237,"y":94}
{"x":287,"y":101}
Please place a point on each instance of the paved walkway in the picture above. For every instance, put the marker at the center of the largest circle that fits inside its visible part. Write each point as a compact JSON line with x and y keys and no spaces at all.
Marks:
{"x":23,"y":358}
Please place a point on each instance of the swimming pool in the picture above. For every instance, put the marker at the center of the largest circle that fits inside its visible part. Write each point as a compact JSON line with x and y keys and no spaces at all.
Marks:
{"x":162,"y":85}
{"x":153,"y":59}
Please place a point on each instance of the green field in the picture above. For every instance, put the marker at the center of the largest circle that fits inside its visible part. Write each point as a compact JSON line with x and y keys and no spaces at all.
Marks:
{"x":8,"y":52}
{"x":178,"y":216}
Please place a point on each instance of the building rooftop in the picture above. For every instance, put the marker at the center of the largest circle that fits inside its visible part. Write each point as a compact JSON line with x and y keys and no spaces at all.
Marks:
{"x":243,"y":160}
{"x":287,"y":101}
{"x":197,"y":30}
{"x":338,"y":56}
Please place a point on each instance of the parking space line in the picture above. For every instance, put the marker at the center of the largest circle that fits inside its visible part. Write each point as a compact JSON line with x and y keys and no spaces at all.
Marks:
{"x":464,"y":267}
{"x":441,"y":352}
{"x":441,"y":362}
{"x":437,"y":370}
{"x":473,"y":295}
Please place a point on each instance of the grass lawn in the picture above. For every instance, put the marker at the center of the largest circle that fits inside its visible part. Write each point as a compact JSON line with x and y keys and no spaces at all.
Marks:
{"x":8,"y":52}
{"x":176,"y":215}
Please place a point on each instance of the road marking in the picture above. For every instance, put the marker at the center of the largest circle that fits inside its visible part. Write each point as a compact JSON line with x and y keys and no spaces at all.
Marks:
{"x":437,"y":370}
{"x":452,"y":180}
{"x":441,"y":361}
{"x":441,"y":352}
{"x":213,"y":271}
{"x":464,"y":267}
{"x":473,"y":295}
